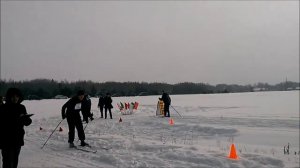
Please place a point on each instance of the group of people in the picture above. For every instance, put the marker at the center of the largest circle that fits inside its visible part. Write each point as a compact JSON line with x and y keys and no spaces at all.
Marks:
{"x":13,"y":118}
{"x":106,"y":104}
{"x":71,"y":111}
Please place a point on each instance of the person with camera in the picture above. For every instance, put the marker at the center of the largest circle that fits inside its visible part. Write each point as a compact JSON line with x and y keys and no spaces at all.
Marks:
{"x":13,"y":118}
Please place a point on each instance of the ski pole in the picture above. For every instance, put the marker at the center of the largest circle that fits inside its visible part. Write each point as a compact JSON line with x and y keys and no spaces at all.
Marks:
{"x":85,"y":126}
{"x":52,"y":133}
{"x":176,"y":111}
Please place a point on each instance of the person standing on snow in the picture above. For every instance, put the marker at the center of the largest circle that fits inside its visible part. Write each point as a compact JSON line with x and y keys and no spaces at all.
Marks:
{"x":107,"y":105}
{"x":86,"y":109}
{"x":101,"y":105}
{"x":167,"y":102}
{"x":13,"y":118}
{"x":72,"y":114}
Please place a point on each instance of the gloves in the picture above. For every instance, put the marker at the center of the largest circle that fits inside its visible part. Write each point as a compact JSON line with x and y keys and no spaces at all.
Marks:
{"x":85,"y":119}
{"x":25,"y":120}
{"x":91,"y":118}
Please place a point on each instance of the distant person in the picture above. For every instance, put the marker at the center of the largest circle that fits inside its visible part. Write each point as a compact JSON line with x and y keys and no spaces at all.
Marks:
{"x":72,"y":114}
{"x":101,"y":105}
{"x":86,"y":109}
{"x":13,"y":118}
{"x":167,"y":102}
{"x":108,"y":105}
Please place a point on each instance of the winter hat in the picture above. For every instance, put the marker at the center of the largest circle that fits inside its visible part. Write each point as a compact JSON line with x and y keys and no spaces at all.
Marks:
{"x":11,"y":92}
{"x":80,"y":92}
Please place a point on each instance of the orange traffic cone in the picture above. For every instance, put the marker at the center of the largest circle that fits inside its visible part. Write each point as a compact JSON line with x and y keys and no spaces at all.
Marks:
{"x":171,"y":121}
{"x":60,"y":129}
{"x":120,"y":120}
{"x":232,"y":154}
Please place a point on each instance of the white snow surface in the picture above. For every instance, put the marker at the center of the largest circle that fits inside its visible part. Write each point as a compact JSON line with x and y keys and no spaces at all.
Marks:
{"x":260,"y":124}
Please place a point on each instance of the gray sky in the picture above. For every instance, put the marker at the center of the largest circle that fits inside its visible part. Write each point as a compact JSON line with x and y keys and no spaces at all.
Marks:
{"x":152,"y":41}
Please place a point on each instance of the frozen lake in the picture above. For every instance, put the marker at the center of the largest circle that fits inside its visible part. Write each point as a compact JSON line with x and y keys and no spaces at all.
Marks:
{"x":258,"y":123}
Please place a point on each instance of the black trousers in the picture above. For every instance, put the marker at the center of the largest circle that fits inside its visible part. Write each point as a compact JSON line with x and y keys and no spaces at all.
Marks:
{"x":166,"y":110}
{"x":10,"y":157}
{"x":109,"y":109}
{"x":101,"y":110}
{"x":75,"y":122}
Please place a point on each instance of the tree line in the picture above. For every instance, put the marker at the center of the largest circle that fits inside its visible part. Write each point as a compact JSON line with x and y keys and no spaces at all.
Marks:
{"x":48,"y":89}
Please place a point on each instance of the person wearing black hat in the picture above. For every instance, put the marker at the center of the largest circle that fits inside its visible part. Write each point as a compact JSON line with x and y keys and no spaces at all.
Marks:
{"x":167,"y":102}
{"x":71,"y":110}
{"x":13,"y":118}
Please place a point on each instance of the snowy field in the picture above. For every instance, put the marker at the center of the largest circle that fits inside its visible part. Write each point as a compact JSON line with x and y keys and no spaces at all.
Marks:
{"x":260,"y":124}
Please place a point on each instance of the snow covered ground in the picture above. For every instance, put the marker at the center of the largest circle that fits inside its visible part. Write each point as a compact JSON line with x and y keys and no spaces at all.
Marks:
{"x":260,"y":124}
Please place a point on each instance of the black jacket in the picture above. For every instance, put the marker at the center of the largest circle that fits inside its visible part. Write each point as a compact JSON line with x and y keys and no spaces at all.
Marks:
{"x":86,"y":104}
{"x":101,"y":101}
{"x":86,"y":107}
{"x":73,"y":107}
{"x":166,"y":98}
{"x":12,"y":122}
{"x":107,"y":102}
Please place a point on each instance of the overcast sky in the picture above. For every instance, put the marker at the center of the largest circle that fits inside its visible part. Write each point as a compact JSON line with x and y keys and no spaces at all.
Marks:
{"x":152,"y":41}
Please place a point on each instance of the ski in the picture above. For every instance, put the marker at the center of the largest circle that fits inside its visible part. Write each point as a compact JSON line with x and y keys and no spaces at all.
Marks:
{"x":105,"y":148}
{"x":85,"y":149}
{"x":102,"y":147}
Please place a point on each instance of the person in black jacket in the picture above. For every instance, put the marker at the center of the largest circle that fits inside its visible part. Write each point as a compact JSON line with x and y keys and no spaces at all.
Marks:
{"x":86,"y":109}
{"x":167,"y":101}
{"x":101,"y":105}
{"x":13,"y":118}
{"x":72,"y":114}
{"x":107,"y":105}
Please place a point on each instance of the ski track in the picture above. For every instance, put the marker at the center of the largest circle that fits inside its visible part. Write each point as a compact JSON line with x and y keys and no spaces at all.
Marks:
{"x":141,"y":141}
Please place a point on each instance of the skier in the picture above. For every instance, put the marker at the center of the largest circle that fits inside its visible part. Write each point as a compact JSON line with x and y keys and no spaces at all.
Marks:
{"x":86,"y":109}
{"x":13,"y":118}
{"x":107,"y":105}
{"x":101,"y":105}
{"x":167,"y":102}
{"x":72,"y":114}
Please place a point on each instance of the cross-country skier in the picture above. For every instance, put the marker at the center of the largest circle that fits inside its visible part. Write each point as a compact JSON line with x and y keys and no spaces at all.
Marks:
{"x":71,"y":111}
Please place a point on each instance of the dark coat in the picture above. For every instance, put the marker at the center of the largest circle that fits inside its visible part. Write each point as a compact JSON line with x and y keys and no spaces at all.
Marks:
{"x":107,"y":102}
{"x":73,"y":107}
{"x":166,"y":98}
{"x":101,"y":101}
{"x":12,"y":122}
{"x":86,"y":107}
